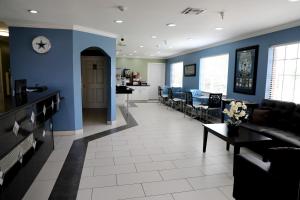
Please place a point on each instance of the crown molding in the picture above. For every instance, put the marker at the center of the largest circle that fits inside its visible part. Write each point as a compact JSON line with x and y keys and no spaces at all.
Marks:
{"x":32,"y":24}
{"x":239,"y":38}
{"x":94,"y":31}
{"x":143,"y":57}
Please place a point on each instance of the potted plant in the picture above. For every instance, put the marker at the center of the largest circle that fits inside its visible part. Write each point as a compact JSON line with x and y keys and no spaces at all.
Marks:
{"x":236,"y":114}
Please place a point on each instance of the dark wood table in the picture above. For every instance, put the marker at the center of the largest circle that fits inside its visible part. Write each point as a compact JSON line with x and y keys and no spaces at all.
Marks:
{"x":243,"y":138}
{"x":250,"y":106}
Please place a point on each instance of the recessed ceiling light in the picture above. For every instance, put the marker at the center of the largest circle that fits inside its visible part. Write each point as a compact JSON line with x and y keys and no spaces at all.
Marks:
{"x":171,"y":25}
{"x":118,"y":21}
{"x":170,"y":47}
{"x":190,"y":39}
{"x":141,"y":46}
{"x":4,"y":33}
{"x":219,"y":29}
{"x":158,"y":52}
{"x":130,"y":54}
{"x":154,"y":37}
{"x":33,"y":11}
{"x":134,"y":51}
{"x":293,"y":0}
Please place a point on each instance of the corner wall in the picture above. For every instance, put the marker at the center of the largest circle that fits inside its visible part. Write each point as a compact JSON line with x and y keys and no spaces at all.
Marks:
{"x":264,"y":42}
{"x":59,"y":68}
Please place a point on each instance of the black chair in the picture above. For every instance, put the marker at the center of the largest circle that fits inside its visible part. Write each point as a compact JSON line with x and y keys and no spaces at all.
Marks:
{"x":214,"y":104}
{"x":277,"y":179}
{"x":172,"y":102}
{"x":161,"y":97}
{"x":189,"y":105}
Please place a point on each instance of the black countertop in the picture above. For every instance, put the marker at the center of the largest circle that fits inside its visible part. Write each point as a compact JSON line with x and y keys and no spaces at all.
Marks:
{"x":17,"y":102}
{"x":138,"y":85}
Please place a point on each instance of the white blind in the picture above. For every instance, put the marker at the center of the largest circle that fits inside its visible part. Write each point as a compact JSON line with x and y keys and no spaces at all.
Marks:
{"x":214,"y":74}
{"x":285,"y":78}
{"x":176,"y":74}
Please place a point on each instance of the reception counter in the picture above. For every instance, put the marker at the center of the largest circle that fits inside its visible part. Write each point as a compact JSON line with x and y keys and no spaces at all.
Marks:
{"x":26,"y":140}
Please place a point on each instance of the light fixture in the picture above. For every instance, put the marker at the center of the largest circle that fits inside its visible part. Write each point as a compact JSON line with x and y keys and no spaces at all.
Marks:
{"x":141,"y":46}
{"x":219,"y":29}
{"x":171,"y":25}
{"x":134,"y":51}
{"x":33,"y":11}
{"x":130,"y":54}
{"x":190,"y":39}
{"x":118,"y":21}
{"x":292,"y":1}
{"x":154,"y":37}
{"x":4,"y":33}
{"x":158,"y":52}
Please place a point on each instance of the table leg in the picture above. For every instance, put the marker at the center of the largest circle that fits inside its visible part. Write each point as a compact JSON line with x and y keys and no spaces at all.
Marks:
{"x":236,"y":149}
{"x":205,"y":134}
{"x":227,"y":146}
{"x":222,"y":114}
{"x":127,"y":103}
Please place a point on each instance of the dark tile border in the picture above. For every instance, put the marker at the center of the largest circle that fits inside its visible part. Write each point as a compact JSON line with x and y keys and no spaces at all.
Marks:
{"x":67,"y":183}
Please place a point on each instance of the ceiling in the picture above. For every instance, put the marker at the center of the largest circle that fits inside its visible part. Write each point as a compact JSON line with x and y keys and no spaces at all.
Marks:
{"x":146,"y":18}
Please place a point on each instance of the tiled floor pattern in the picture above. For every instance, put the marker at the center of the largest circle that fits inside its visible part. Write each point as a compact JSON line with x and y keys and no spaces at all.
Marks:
{"x":44,"y":182}
{"x":160,"y":159}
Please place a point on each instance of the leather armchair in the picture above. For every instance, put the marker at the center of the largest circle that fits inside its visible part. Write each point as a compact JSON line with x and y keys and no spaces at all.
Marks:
{"x":276,"y":179}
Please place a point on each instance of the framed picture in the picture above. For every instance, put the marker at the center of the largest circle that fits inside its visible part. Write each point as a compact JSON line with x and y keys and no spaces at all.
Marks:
{"x":190,"y":70}
{"x":245,"y":70}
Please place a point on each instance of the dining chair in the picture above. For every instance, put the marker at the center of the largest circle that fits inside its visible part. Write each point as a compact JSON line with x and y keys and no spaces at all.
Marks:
{"x":214,"y":104}
{"x":190,"y":105}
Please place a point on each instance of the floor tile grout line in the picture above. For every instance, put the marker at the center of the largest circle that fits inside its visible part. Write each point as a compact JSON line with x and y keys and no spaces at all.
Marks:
{"x":60,"y":181}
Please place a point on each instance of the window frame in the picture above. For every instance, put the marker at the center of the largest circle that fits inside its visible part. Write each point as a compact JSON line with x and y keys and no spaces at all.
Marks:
{"x":227,"y":70}
{"x":271,"y":80}
{"x":171,"y":73}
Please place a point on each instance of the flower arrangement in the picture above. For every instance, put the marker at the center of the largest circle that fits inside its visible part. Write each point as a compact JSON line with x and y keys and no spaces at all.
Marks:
{"x":236,"y":113}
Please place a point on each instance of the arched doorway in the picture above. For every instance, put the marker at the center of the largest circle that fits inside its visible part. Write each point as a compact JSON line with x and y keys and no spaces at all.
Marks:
{"x":94,"y":82}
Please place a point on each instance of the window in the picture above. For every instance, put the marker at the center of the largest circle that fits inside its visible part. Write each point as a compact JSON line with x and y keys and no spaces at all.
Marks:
{"x":176,"y":74}
{"x":214,"y":74}
{"x":285,"y":77}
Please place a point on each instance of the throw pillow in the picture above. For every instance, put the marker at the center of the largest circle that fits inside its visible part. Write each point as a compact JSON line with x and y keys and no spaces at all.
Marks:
{"x":261,"y":116}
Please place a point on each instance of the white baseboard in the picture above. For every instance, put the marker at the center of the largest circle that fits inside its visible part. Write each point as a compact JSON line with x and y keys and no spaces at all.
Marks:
{"x":68,"y":133}
{"x":111,"y":122}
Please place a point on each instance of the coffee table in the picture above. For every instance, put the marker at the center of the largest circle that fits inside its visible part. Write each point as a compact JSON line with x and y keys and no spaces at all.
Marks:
{"x":243,"y":138}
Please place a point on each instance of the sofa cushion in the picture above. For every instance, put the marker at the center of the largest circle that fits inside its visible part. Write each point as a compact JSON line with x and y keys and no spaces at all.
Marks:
{"x":285,"y":136}
{"x":261,"y":116}
{"x":274,"y":133}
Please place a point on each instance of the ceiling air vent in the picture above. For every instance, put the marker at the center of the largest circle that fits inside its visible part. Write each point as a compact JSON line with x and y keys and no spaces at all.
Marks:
{"x":192,"y":11}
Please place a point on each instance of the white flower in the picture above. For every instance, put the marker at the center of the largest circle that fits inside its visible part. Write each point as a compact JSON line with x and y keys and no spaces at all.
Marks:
{"x":239,"y":104}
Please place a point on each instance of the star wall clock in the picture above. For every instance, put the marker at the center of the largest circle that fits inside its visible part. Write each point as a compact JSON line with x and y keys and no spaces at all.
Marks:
{"x":41,"y":44}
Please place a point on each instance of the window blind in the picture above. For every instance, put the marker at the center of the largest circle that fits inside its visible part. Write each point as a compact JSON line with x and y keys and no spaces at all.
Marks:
{"x":214,"y":74}
{"x":176,"y":74}
{"x":285,"y":76}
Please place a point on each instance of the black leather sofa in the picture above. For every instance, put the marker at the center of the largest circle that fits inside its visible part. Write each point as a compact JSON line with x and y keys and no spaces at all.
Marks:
{"x":277,"y":176}
{"x":278,"y":120}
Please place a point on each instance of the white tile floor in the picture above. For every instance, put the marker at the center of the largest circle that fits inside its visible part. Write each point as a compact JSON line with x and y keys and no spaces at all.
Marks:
{"x":160,"y":159}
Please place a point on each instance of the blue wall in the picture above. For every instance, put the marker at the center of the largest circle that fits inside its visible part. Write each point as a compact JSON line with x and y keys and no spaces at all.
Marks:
{"x":59,"y":68}
{"x":264,"y":42}
{"x":53,"y":69}
{"x":81,"y":41}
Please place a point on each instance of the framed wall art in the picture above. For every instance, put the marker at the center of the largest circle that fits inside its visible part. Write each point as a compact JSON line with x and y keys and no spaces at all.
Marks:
{"x":190,"y":70}
{"x":246,"y":61}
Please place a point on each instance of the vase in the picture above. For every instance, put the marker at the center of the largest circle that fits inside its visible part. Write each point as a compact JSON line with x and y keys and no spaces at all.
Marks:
{"x":233,"y":129}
